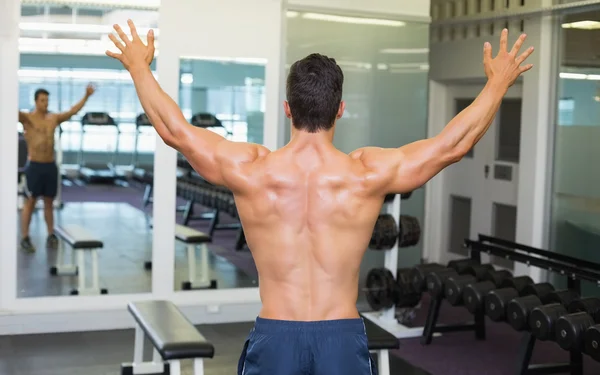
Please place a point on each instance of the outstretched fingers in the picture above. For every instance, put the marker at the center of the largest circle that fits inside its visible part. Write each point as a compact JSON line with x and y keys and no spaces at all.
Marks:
{"x":113,"y":55}
{"x":116,"y":42}
{"x":518,"y":44}
{"x":134,"y":33}
{"x":150,"y":39}
{"x":122,"y":34}
{"x":525,"y":68}
{"x":524,"y":56}
{"x":504,"y":41}
{"x":487,"y":52}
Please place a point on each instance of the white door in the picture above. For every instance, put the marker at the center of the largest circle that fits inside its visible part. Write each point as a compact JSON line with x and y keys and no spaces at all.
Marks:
{"x":480,"y":191}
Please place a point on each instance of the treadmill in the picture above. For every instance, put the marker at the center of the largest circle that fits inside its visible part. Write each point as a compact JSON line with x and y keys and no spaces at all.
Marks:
{"x":142,"y":173}
{"x":98,"y":172}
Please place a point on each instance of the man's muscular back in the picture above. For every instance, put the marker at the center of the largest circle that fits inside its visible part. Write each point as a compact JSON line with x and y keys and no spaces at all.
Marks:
{"x":39,"y":133}
{"x":308,"y":214}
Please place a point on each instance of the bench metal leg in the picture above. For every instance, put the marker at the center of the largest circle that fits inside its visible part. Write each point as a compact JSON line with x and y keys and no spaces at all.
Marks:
{"x":204,"y":281}
{"x":383,"y":362}
{"x":198,"y":366}
{"x":175,"y":367}
{"x":139,"y":367}
{"x":82,"y":289}
{"x":66,"y":269}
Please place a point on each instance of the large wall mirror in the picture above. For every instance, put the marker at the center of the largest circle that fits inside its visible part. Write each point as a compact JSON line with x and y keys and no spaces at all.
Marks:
{"x":86,"y":155}
{"x":226,"y":96}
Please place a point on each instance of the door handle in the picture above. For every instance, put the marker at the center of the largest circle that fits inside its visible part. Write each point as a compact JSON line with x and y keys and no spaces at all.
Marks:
{"x":486,"y":171}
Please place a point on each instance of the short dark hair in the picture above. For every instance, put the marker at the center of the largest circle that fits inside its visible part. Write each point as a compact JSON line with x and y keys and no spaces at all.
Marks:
{"x":39,"y":92}
{"x":314,"y":92}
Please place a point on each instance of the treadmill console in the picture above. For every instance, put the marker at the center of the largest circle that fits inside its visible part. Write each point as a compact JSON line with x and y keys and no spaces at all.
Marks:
{"x":97,"y":118}
{"x":206,"y":120}
{"x":143,"y":120}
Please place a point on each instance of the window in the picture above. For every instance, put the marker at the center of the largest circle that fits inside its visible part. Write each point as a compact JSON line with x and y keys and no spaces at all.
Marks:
{"x":566,"y":108}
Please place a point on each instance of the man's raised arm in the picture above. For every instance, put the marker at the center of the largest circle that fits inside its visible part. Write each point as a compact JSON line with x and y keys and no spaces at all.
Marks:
{"x":209,"y":153}
{"x":399,"y":170}
{"x":65,"y":116}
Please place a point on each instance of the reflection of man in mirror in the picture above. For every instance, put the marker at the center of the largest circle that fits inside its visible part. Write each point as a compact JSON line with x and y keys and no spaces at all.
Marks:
{"x":41,"y":171}
{"x":308,"y":210}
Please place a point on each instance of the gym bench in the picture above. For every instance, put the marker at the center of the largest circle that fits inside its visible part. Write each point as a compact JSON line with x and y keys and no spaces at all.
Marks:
{"x":80,"y":241}
{"x":173,"y":336}
{"x":380,"y":343}
{"x":193,"y":239}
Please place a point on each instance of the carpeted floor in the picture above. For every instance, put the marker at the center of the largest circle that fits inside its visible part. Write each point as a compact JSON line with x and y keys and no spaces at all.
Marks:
{"x":453,"y":353}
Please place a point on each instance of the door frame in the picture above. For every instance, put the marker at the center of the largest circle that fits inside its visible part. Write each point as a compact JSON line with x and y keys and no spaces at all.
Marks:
{"x":436,"y":206}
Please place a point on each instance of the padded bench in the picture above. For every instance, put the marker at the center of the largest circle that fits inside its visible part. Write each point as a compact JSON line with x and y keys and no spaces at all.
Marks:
{"x":173,"y":337}
{"x":80,"y":241}
{"x":380,"y":343}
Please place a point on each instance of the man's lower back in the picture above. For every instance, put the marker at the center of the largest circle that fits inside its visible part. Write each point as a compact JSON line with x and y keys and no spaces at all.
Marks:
{"x":328,"y":347}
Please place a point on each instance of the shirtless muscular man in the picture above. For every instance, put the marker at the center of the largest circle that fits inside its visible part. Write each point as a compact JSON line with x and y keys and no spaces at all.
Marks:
{"x":308,"y":210}
{"x":41,"y":171}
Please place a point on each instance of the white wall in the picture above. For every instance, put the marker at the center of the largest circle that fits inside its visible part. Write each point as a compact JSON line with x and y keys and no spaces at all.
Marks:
{"x":9,"y":87}
{"x":392,"y":8}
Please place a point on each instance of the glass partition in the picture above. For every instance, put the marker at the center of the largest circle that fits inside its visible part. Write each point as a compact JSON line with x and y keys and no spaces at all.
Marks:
{"x":385,"y":65}
{"x":226,"y":96}
{"x":575,"y":220}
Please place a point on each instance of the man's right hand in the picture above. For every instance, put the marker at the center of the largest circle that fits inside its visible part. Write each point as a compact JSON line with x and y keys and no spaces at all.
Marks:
{"x":506,"y":67}
{"x":134,"y":53}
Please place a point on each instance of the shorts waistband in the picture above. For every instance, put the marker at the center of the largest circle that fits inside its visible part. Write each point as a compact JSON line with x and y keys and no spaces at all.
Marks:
{"x":263,"y":325}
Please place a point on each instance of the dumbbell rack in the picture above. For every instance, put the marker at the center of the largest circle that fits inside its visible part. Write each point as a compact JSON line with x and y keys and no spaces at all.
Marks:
{"x":386,"y":319}
{"x":575,"y":270}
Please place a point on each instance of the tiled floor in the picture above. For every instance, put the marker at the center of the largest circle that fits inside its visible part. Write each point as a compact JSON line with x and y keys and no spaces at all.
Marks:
{"x":101,"y":353}
{"x":127,"y":245}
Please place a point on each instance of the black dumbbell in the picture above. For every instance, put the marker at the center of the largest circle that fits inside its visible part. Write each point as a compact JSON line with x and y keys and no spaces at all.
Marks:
{"x":497,"y":277}
{"x":519,"y":309}
{"x":478,"y":270}
{"x":591,"y":340}
{"x":418,"y":273}
{"x":407,"y":295}
{"x":542,"y":320}
{"x":461,"y":265}
{"x":497,"y":300}
{"x":454,"y":285}
{"x":474,"y":294}
{"x":570,"y":328}
{"x":435,"y":280}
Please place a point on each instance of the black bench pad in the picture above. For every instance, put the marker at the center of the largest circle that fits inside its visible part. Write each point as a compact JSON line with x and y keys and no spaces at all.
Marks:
{"x":171,"y":333}
{"x":78,"y":237}
{"x":189,"y":235}
{"x":379,"y":338}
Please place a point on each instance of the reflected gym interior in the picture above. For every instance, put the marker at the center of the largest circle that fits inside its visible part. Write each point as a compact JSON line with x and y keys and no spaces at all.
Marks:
{"x":492,"y":267}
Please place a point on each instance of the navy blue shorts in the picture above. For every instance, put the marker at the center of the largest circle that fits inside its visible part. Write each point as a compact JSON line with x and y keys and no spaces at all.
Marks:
{"x":329,"y":347}
{"x":42,"y":179}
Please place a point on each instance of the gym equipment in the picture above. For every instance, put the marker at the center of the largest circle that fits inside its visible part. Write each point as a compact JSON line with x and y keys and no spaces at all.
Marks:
{"x":497,"y":300}
{"x":80,"y":241}
{"x":418,"y":274}
{"x":591,"y":340}
{"x":409,"y":231}
{"x":173,"y":337}
{"x":570,"y":328}
{"x":454,"y":286}
{"x":141,"y":123}
{"x":382,"y":291}
{"x":519,"y":309}
{"x":209,"y":121}
{"x":542,"y":320}
{"x":408,"y":295}
{"x":94,"y":172}
{"x":192,"y":239}
{"x":474,"y":294}
{"x":497,"y":277}
{"x":436,"y":280}
{"x":385,"y":233}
